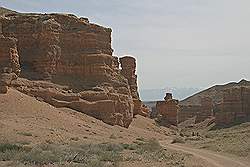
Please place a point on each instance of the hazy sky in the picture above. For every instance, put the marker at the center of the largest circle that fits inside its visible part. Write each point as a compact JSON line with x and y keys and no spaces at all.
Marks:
{"x":177,"y":43}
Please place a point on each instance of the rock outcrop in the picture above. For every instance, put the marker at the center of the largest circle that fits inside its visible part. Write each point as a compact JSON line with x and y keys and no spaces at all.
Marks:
{"x":215,"y":93}
{"x":171,"y":112}
{"x":201,"y":112}
{"x":9,"y":62}
{"x":56,"y":44}
{"x":168,"y":110}
{"x":228,"y":103}
{"x":128,"y":65}
{"x":235,"y":106}
{"x":67,"y":62}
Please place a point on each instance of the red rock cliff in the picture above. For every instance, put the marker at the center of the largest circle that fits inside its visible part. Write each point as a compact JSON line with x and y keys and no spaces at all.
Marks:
{"x":128,"y":65}
{"x":74,"y":59}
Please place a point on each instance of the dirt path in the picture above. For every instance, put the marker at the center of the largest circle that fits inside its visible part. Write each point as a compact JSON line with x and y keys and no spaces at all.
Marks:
{"x":212,"y":159}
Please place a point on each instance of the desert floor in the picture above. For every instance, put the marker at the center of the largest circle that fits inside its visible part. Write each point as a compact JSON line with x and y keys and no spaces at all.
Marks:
{"x":34,"y":133}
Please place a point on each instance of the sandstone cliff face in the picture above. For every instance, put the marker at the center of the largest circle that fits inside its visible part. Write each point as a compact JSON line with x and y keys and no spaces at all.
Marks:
{"x":229,"y":104}
{"x":61,"y":49}
{"x":128,"y":65}
{"x":201,"y":111}
{"x":215,"y":93}
{"x":235,"y":106}
{"x":9,"y":62}
{"x":55,"y":43}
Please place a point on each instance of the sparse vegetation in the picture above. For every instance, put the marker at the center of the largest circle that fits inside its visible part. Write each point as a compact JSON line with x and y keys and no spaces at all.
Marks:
{"x":9,"y":147}
{"x":25,"y":133}
{"x":85,"y":155}
{"x":234,"y":140}
{"x":151,"y":151}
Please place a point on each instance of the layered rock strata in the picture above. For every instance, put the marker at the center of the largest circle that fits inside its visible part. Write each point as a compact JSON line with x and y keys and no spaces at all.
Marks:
{"x":202,"y":111}
{"x":235,"y":106}
{"x":62,"y":49}
{"x":168,"y":110}
{"x":128,"y":65}
{"x":9,"y":62}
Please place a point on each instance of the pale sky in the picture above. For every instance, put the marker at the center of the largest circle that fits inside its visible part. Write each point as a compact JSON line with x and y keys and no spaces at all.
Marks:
{"x":177,"y":43}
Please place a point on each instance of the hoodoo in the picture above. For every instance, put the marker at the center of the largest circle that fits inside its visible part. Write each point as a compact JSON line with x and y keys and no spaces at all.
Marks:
{"x":168,"y":110}
{"x":128,"y":65}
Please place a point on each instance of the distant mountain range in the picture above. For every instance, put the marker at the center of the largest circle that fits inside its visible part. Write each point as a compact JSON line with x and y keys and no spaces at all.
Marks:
{"x":159,"y":94}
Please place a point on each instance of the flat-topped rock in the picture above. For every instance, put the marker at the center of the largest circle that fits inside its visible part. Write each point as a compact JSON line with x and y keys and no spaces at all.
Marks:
{"x":75,"y":56}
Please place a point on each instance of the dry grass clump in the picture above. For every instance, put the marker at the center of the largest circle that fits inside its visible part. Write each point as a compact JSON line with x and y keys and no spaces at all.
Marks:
{"x":234,"y":140}
{"x":87,"y":155}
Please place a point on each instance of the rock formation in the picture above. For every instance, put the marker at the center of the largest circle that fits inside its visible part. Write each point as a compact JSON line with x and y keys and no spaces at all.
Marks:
{"x":168,"y":110}
{"x":171,"y":112}
{"x":57,"y":44}
{"x":235,"y":106}
{"x":128,"y":65}
{"x":201,"y":111}
{"x":9,"y":61}
{"x":215,"y":93}
{"x":229,"y":104}
{"x":67,"y":62}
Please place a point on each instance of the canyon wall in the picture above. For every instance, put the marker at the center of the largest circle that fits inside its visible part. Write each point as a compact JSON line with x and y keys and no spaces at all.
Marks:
{"x":56,"y":44}
{"x":201,"y":112}
{"x":9,"y":61}
{"x":67,"y":62}
{"x":235,"y":106}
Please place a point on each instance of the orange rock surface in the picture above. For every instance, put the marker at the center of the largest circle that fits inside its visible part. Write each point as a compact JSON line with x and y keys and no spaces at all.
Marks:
{"x":67,"y":62}
{"x":168,"y":110}
{"x":9,"y":62}
{"x":128,"y":65}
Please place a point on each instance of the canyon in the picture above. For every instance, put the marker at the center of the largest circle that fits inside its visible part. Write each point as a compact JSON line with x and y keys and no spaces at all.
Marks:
{"x":225,"y":104}
{"x":66,"y":61}
{"x":65,"y":99}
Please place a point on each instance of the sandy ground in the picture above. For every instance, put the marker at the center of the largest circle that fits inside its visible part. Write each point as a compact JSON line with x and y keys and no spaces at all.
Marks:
{"x":234,"y":140}
{"x":25,"y":120}
{"x":210,"y":159}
